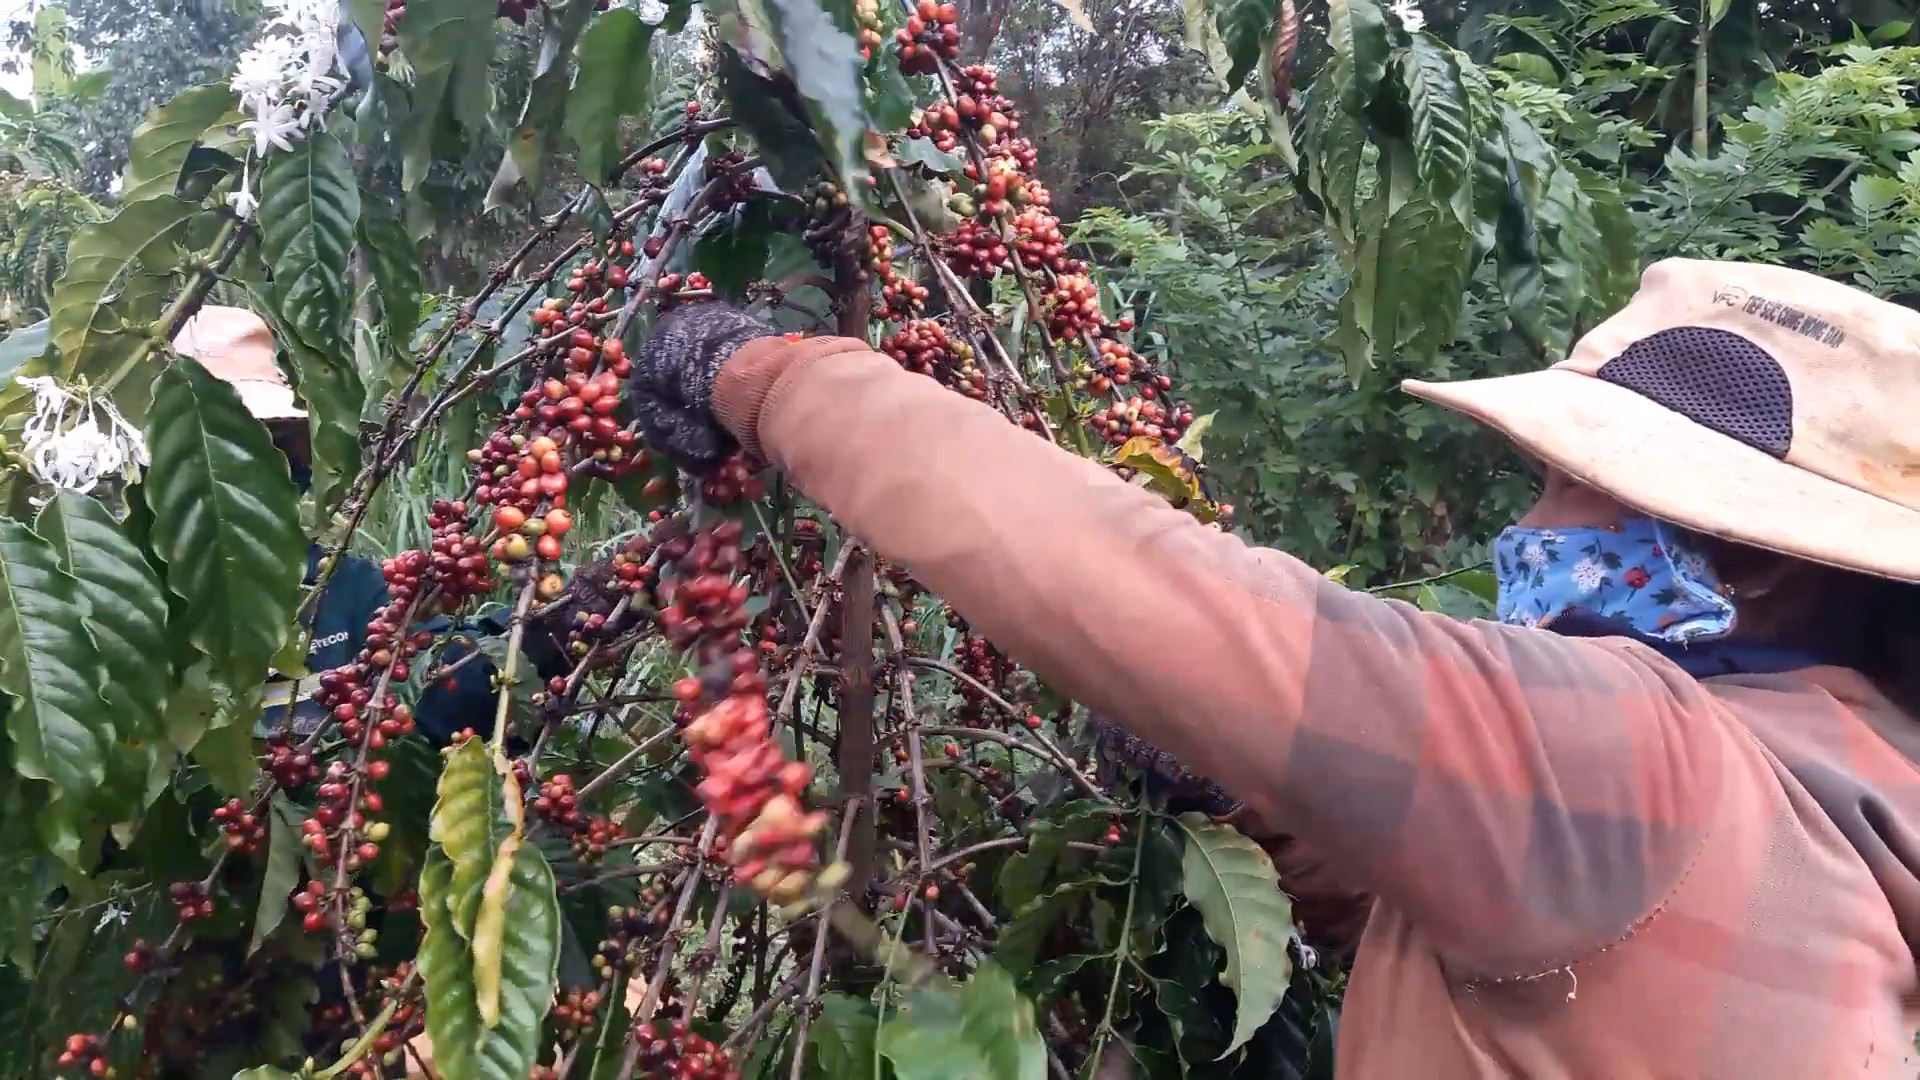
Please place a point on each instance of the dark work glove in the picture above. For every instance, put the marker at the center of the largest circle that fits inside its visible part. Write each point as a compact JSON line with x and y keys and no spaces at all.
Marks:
{"x":672,"y":382}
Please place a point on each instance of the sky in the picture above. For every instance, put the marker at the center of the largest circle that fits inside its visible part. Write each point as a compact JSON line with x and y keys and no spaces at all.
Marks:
{"x":17,"y":83}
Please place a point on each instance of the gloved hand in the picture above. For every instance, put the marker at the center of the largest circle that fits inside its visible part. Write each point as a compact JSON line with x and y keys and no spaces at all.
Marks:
{"x":671,"y":385}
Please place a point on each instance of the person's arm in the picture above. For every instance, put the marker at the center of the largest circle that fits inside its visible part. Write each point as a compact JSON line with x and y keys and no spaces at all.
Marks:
{"x":1523,"y":797}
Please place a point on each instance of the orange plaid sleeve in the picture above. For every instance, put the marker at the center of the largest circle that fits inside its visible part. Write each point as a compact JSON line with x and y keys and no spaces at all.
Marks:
{"x":1522,"y":797}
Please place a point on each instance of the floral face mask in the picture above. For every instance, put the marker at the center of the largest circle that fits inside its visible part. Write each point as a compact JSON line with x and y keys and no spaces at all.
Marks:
{"x":1641,"y":572}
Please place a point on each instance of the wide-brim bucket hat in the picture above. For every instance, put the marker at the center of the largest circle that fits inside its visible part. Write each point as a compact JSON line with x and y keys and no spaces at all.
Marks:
{"x":235,"y":345}
{"x":1754,"y":403}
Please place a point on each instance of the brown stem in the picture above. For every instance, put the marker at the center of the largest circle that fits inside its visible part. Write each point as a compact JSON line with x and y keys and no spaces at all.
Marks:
{"x":854,"y":746}
{"x":849,"y":817}
{"x":916,"y":760}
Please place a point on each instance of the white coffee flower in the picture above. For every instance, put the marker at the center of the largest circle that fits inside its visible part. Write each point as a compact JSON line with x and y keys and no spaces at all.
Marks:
{"x":115,"y":914}
{"x":66,"y":445}
{"x":289,"y":78}
{"x":652,"y":12}
{"x":1410,"y":14}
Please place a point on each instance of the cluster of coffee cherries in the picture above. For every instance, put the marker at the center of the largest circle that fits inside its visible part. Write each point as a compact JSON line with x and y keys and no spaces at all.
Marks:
{"x":84,"y":1052}
{"x":829,"y":233}
{"x":595,"y":274}
{"x":734,"y":181}
{"x":866,"y":14}
{"x":975,"y":249}
{"x":924,"y":346}
{"x":932,"y":33}
{"x":191,"y":901}
{"x":1133,"y":417}
{"x":140,"y":957}
{"x":899,"y":297}
{"x":331,"y":1027}
{"x":748,"y":785}
{"x":1038,"y":242}
{"x":458,"y":563}
{"x":519,"y":535}
{"x":558,"y":805}
{"x":355,"y":935}
{"x":731,"y":481}
{"x":977,"y":104}
{"x":240,"y":829}
{"x":670,"y":1049}
{"x":1073,"y":306}
{"x":336,"y":809}
{"x":290,"y":766}
{"x":627,"y":928}
{"x":670,"y":290}
{"x":574,"y":1012}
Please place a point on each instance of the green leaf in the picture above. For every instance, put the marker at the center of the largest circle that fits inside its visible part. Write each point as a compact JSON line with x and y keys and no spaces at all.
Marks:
{"x":226,"y":750}
{"x":542,"y":115}
{"x":824,"y":61}
{"x":52,"y":670}
{"x":450,"y":45}
{"x":282,"y":873}
{"x":843,"y":1037}
{"x":115,"y":285}
{"x":191,"y":706}
{"x":472,"y":815}
{"x":23,"y":345}
{"x":1613,"y":261}
{"x":162,"y":143}
{"x":981,"y":1030}
{"x":1046,"y":859}
{"x":1357,"y":31}
{"x":613,"y":81}
{"x":1244,"y":28}
{"x":1716,"y":10}
{"x":331,"y":386}
{"x":263,"y":1072}
{"x":225,"y":522}
{"x":1442,"y":128}
{"x":1237,"y":891}
{"x":1890,"y":32}
{"x":1426,"y":249}
{"x":1022,"y":939}
{"x":923,"y":153}
{"x":309,"y":206}
{"x":732,"y":248}
{"x":464,"y":1047}
{"x":129,"y":623}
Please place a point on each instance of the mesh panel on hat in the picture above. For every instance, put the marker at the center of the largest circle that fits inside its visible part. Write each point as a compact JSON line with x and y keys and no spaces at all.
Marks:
{"x":1715,"y":378}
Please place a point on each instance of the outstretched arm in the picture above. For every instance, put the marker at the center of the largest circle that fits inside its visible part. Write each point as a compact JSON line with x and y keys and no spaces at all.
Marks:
{"x":1522,"y":796}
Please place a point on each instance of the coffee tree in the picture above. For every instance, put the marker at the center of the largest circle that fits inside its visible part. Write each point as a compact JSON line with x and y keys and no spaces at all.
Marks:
{"x":751,"y":802}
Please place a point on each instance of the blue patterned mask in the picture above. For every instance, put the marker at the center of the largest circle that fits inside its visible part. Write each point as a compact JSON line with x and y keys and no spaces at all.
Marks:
{"x":1641,"y":572}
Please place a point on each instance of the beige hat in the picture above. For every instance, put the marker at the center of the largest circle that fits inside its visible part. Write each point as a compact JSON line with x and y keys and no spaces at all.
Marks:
{"x":1754,"y":403}
{"x":235,"y":345}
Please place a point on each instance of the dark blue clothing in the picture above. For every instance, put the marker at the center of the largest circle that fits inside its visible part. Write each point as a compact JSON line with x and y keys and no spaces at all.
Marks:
{"x":354,"y":594}
{"x":1702,"y":660}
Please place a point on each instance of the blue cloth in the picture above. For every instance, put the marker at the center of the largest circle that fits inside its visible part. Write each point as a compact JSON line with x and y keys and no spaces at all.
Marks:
{"x":338,"y":629}
{"x":1642,"y":573}
{"x":1704,"y":660}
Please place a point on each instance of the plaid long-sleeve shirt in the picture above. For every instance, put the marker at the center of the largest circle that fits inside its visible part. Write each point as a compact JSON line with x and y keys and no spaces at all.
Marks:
{"x":1587,"y":863}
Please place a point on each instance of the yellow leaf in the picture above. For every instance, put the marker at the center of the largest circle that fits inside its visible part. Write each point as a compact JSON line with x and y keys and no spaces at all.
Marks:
{"x":490,"y":928}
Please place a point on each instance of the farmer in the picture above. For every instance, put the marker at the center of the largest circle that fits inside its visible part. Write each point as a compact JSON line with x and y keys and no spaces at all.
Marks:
{"x":1660,"y":823}
{"x":234,"y":345}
